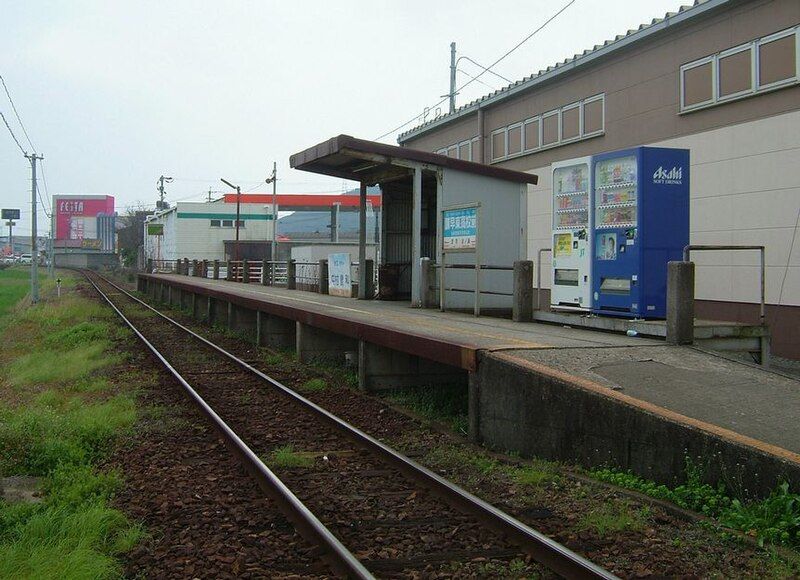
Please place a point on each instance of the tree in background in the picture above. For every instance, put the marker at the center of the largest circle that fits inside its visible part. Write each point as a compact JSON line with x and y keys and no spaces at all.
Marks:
{"x":130,"y":237}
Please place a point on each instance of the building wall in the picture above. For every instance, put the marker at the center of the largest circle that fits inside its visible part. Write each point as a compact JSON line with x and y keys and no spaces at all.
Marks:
{"x":744,"y":185}
{"x":743,"y":192}
{"x":502,"y":209}
{"x":188,"y":230}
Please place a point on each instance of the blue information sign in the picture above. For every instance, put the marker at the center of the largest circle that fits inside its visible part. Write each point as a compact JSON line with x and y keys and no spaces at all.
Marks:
{"x":460,"y":229}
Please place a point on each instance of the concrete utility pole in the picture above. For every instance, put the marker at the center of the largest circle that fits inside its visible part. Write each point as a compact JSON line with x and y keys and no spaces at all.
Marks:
{"x":161,"y":181}
{"x":452,"y":77}
{"x":238,"y":206}
{"x":274,"y":181}
{"x":33,"y":157}
{"x":11,"y":224}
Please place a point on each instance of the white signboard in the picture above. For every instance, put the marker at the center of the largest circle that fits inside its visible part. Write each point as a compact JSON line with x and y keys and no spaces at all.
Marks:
{"x":339,"y":282}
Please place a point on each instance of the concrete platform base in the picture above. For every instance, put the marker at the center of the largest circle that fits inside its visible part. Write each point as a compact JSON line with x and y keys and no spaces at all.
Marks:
{"x":275,"y":332}
{"x":316,"y":345}
{"x":381,"y":368}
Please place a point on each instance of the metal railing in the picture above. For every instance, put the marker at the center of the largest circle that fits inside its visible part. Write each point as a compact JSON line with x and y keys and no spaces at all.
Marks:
{"x":477,"y":291}
{"x":760,"y":249}
{"x":279,"y":273}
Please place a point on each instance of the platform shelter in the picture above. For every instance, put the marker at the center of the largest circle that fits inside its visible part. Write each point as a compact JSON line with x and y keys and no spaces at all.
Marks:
{"x":447,"y":210}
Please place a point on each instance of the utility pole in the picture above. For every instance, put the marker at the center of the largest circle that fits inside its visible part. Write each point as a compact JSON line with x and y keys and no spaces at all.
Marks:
{"x":238,"y":205}
{"x":274,"y":181}
{"x":161,"y":181}
{"x":33,"y":157}
{"x":452,"y":77}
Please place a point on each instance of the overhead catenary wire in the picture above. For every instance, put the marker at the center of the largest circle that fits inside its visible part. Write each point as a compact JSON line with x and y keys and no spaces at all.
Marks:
{"x":21,"y":148}
{"x":487,"y":85}
{"x":14,"y":108}
{"x":48,"y":209}
{"x":498,"y":75}
{"x":487,"y":69}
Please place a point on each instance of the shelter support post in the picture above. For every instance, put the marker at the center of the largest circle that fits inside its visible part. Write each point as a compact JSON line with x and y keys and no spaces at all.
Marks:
{"x":362,"y":243}
{"x":416,"y":238}
{"x":427,"y":296}
{"x":323,"y":276}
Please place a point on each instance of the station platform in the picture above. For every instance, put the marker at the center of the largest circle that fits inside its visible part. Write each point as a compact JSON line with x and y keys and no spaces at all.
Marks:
{"x":592,"y":397}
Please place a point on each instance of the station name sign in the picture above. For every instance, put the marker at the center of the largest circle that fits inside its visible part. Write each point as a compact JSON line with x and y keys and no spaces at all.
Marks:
{"x":460,"y":229}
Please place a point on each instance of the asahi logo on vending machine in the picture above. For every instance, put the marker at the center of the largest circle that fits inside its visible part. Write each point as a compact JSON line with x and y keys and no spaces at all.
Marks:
{"x":672,"y":177}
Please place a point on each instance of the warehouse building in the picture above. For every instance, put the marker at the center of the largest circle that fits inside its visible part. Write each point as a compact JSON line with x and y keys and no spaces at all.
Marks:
{"x":719,"y":78}
{"x":207,"y":231}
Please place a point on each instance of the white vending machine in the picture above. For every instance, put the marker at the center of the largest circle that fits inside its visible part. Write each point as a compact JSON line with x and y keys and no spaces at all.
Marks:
{"x":572,"y":235}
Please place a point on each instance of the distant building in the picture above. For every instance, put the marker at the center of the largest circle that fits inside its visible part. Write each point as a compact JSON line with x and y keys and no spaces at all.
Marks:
{"x":84,"y":221}
{"x":84,"y":225}
{"x":206,"y":230}
{"x":203,"y":231}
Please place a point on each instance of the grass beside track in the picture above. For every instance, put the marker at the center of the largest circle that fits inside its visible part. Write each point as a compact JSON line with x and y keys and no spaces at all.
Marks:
{"x":61,"y":412}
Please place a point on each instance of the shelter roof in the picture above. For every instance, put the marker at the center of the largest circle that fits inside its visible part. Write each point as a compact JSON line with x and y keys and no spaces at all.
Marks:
{"x":372,"y":162}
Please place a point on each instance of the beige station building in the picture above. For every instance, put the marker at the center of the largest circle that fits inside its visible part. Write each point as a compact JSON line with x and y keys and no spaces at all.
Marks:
{"x":720,"y":78}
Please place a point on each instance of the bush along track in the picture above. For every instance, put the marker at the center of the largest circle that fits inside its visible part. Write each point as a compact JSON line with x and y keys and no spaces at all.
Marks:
{"x":773,"y":520}
{"x":61,"y":415}
{"x":628,"y":536}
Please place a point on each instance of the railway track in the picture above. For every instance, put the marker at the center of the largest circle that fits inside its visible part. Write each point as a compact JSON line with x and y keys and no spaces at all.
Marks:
{"x":371,"y":510}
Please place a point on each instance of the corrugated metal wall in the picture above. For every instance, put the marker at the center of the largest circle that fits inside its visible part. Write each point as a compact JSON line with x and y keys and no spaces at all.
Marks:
{"x":106,"y":231}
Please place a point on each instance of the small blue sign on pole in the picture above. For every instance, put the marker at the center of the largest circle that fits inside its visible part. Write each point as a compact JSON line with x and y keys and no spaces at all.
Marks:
{"x":460,"y":229}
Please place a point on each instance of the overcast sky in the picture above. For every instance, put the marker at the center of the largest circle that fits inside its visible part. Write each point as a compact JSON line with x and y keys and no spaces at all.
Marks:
{"x":115,"y":94}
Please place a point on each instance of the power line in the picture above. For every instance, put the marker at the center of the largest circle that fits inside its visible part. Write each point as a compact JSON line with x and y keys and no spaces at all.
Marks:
{"x":12,"y":134}
{"x":488,"y":86}
{"x":10,"y":100}
{"x":523,"y":41}
{"x":48,"y":209}
{"x":498,"y":75}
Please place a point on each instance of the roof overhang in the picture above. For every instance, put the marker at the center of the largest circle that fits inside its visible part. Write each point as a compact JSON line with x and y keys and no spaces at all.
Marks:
{"x":371,"y":162}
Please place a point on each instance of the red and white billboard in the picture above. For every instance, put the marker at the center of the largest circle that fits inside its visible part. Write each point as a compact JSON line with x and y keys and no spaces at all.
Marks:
{"x":76,"y":215}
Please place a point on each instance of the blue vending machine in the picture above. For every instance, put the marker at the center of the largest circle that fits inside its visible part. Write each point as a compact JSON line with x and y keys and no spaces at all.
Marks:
{"x":641,"y":222}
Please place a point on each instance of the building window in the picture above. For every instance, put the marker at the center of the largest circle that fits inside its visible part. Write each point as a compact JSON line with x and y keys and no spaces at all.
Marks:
{"x":735,"y":72}
{"x":571,"y":122}
{"x":452,"y":151}
{"x":227,"y":223}
{"x":241,"y":223}
{"x":475,"y":150}
{"x":498,"y":144}
{"x":515,"y":139}
{"x":697,"y":80}
{"x":759,"y":66}
{"x":777,"y":59}
{"x":593,"y":117}
{"x":214,"y":223}
{"x":465,"y":151}
{"x":532,"y":138}
{"x":550,"y":128}
{"x":442,"y":151}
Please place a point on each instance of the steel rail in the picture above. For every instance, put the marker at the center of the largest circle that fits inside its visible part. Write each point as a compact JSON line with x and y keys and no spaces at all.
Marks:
{"x":340,"y":558}
{"x":544,"y":550}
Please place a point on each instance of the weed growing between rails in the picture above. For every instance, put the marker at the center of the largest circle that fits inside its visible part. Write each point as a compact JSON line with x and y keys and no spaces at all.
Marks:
{"x":62,"y":410}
